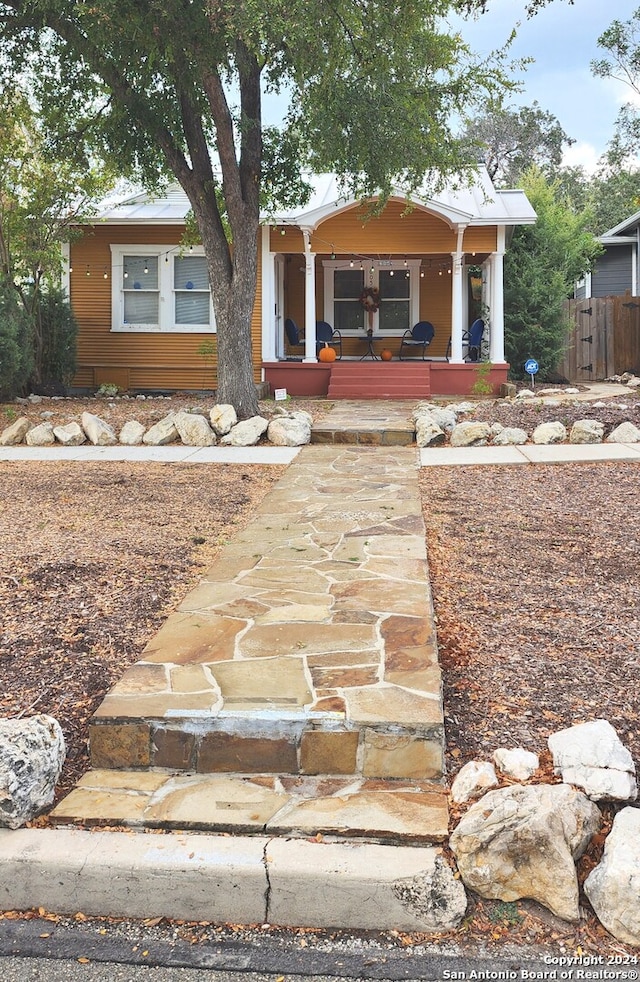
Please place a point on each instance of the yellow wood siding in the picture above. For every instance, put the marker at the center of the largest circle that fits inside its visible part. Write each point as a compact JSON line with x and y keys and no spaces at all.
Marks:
{"x":391,"y":233}
{"x":148,"y":360}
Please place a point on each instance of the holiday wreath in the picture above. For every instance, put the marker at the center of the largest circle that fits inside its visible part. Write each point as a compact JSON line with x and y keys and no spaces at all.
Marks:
{"x":370,"y":299}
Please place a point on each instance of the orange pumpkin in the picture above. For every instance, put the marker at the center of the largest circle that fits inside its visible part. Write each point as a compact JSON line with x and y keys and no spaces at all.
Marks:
{"x":386,"y":355}
{"x":327,"y":354}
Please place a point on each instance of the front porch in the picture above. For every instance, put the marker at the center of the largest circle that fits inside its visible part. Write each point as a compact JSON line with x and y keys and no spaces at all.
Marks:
{"x":372,"y":279}
{"x":354,"y":379}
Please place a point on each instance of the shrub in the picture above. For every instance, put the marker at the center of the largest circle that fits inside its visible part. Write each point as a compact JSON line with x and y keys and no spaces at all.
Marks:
{"x":16,"y":361}
{"x":58,"y":334}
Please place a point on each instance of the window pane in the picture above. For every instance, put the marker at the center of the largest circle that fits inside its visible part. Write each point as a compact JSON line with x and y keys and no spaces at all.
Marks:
{"x":140,"y":272}
{"x":394,"y":286}
{"x":348,"y":283}
{"x":394,"y":316}
{"x":140,"y":307}
{"x":192,"y":308}
{"x":190,"y":273}
{"x":349,"y":315}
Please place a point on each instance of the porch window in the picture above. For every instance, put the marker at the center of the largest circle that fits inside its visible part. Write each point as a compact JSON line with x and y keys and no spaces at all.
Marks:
{"x":157,"y":289}
{"x":397,"y":280}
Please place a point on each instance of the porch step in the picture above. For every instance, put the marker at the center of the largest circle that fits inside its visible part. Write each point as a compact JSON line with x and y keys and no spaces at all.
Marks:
{"x":400,"y":812}
{"x":370,"y":379}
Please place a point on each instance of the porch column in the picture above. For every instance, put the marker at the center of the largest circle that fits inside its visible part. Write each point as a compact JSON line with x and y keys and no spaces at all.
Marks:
{"x":309,"y":298}
{"x":456,"y":300}
{"x":496,"y":302}
{"x":269,"y":342}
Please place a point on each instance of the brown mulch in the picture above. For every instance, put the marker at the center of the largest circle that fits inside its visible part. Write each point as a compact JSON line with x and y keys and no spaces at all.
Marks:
{"x":535,"y":578}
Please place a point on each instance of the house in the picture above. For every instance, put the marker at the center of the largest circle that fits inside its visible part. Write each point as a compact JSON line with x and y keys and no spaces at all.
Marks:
{"x":143,"y":302}
{"x":617,"y":268}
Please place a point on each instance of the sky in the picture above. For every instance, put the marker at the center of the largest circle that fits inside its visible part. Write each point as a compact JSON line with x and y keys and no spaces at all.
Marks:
{"x":562,"y":38}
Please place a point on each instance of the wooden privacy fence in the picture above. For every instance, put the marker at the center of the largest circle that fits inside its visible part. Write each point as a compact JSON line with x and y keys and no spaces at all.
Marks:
{"x":604,"y":339}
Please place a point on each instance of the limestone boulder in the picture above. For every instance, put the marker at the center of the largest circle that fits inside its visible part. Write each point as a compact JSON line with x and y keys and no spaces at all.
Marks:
{"x":429,"y":433}
{"x":473,"y":779}
{"x":592,"y":756}
{"x":624,"y":433}
{"x":32,"y":752}
{"x":613,"y":887}
{"x":586,"y":431}
{"x":194,"y":430}
{"x":523,"y":841}
{"x":247,"y":432}
{"x":40,"y":436}
{"x":98,"y":432}
{"x":547,"y":433}
{"x":470,"y":434}
{"x":517,"y":763}
{"x":132,"y":433}
{"x":15,"y":433}
{"x":70,"y":435}
{"x":287,"y":431}
{"x":222,"y":418}
{"x":510,"y":436}
{"x":301,"y":414}
{"x":436,"y":895}
{"x":442,"y":416}
{"x":161,"y":433}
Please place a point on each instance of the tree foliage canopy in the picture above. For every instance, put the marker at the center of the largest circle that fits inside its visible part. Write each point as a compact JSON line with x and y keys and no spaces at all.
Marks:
{"x":621,"y":42}
{"x":541,"y":265}
{"x":175,"y":87}
{"x":511,"y":140}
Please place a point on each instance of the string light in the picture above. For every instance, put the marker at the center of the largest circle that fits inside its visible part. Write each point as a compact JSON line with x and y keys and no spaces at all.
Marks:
{"x":88,"y":270}
{"x":105,"y":275}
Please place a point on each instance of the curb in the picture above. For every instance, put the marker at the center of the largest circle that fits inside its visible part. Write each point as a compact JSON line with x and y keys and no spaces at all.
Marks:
{"x":220,"y":879}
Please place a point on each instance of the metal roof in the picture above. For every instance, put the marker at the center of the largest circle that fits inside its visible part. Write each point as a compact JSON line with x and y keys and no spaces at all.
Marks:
{"x":477,"y":204}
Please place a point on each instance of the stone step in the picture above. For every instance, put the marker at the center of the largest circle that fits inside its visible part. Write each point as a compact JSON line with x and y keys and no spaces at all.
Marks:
{"x":407,"y":813}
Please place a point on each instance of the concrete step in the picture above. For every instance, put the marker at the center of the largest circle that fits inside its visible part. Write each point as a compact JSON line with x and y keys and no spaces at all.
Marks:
{"x":380,"y":380}
{"x":402,"y":812}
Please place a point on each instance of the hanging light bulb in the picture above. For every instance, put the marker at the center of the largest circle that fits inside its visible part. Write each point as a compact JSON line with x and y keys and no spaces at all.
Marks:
{"x":146,"y":266}
{"x":105,"y":275}
{"x":126,"y":273}
{"x":390,"y":272}
{"x":283,"y":231}
{"x":351,"y":264}
{"x":88,"y":270}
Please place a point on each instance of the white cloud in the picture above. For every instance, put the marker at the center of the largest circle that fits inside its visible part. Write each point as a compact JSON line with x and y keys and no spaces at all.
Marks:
{"x":581,"y":154}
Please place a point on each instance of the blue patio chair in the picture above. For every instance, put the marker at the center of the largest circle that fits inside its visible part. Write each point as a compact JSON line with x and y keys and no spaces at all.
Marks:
{"x":295,"y":339}
{"x":325,"y":334}
{"x":420,"y":336}
{"x":476,"y":333}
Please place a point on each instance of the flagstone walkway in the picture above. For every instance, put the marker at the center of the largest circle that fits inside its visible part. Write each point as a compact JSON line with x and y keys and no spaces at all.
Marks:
{"x":296,"y":690}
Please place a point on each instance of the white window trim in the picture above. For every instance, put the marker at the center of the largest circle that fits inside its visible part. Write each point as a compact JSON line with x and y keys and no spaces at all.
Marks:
{"x":166,"y":304}
{"x":399,"y":265}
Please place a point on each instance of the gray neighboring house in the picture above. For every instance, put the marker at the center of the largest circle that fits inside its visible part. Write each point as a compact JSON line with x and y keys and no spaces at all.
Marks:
{"x":616,"y":270}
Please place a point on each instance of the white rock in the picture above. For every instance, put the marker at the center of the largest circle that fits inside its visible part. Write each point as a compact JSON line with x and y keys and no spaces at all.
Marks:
{"x":428,"y":433}
{"x":572,"y":391}
{"x":462,"y":407}
{"x":592,"y":756}
{"x":525,"y":394}
{"x":473,"y":779}
{"x":586,"y":431}
{"x":33,"y":398}
{"x":510,"y":436}
{"x":161,"y":433}
{"x":624,"y":433}
{"x":470,"y":435}
{"x":436,"y":894}
{"x":302,"y":414}
{"x":522,"y":841}
{"x":549,"y":433}
{"x":32,"y":753}
{"x":247,"y":432}
{"x":41,"y":436}
{"x":613,"y":887}
{"x":634,"y":382}
{"x":98,"y":432}
{"x":443,"y":416}
{"x":517,"y":763}
{"x":286,"y":431}
{"x":71,"y":435}
{"x":15,"y":433}
{"x":132,"y":433}
{"x":222,"y":417}
{"x":194,"y":430}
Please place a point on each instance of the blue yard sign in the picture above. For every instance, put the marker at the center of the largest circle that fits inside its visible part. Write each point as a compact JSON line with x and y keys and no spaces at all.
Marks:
{"x":531,"y":368}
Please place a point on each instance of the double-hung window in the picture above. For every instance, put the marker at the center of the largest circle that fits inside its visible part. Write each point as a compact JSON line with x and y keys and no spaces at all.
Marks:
{"x":160,"y":288}
{"x":398,"y":285}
